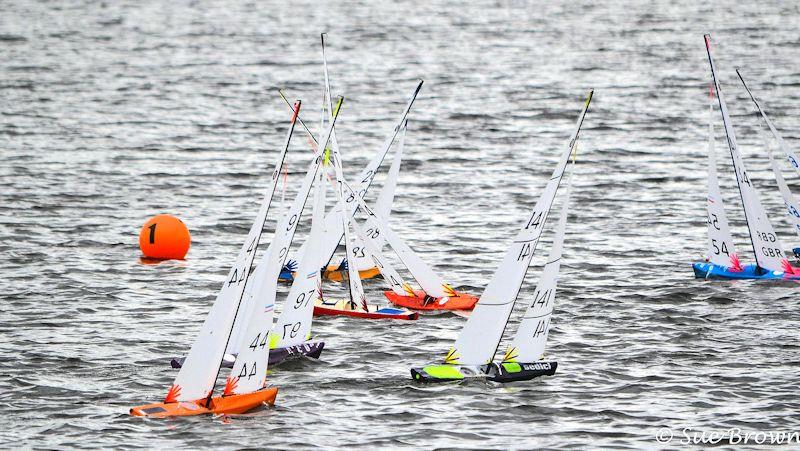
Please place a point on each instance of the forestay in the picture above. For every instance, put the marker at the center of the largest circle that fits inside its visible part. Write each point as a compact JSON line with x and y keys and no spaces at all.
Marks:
{"x":531,"y":338}
{"x":478,"y":341}
{"x":720,"y":242}
{"x":198,"y":374}
{"x":767,"y":247}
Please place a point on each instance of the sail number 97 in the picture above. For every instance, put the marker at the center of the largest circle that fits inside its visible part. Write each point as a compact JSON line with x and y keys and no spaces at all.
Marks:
{"x":304,"y":298}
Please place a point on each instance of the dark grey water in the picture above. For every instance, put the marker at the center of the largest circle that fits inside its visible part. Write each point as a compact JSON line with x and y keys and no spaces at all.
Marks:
{"x":113,"y":112}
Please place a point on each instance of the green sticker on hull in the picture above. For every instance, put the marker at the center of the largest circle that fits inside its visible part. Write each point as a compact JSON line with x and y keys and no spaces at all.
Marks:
{"x":443,"y":372}
{"x":512,"y":367}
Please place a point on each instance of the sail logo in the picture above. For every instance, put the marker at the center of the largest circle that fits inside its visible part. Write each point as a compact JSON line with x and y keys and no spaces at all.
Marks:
{"x":543,"y":366}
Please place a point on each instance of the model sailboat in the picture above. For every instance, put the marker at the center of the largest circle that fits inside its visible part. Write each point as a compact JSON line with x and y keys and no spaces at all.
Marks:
{"x":474,"y":352}
{"x":280,"y":245}
{"x":193,"y":389}
{"x":357,"y":305}
{"x":767,"y":247}
{"x":792,"y":206}
{"x":333,"y":224}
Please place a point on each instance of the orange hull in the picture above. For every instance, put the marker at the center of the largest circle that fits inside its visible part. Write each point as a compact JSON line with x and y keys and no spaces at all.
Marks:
{"x":331,"y":273}
{"x":462,"y":301}
{"x":231,"y":404}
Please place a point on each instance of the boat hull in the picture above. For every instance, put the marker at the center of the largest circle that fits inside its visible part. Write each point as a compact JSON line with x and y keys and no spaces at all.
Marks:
{"x":343,"y":307}
{"x":333,"y":273}
{"x":495,"y":372}
{"x":311,"y":349}
{"x":461,"y":302}
{"x":703,"y":270}
{"x":229,"y":405}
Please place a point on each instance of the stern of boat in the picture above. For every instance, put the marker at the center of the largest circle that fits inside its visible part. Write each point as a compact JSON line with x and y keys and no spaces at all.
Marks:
{"x":520,"y":371}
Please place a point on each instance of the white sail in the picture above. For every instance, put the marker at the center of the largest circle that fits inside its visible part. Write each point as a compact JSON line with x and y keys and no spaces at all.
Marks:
{"x":333,"y":226}
{"x":249,"y":371}
{"x":250,"y":367}
{"x":790,"y":155}
{"x":282,"y":241}
{"x":383,"y":206}
{"x":478,"y":341}
{"x":766,"y":245}
{"x":357,"y":296}
{"x":530,"y":340}
{"x":792,"y":207}
{"x":294,"y":322}
{"x":720,"y":242}
{"x":371,"y":250}
{"x":431,"y":283}
{"x":198,"y":374}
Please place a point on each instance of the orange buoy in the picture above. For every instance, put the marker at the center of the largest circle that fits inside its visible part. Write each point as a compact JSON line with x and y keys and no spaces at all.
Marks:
{"x":164,"y":237}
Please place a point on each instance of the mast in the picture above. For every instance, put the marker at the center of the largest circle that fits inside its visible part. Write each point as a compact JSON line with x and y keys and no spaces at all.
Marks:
{"x":754,"y":213}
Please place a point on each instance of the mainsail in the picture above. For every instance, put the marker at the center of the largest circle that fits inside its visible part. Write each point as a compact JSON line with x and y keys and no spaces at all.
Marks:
{"x":250,"y":367}
{"x":767,"y":247}
{"x":383,"y":206}
{"x":198,"y":374}
{"x":792,"y":207}
{"x":280,"y":245}
{"x":333,"y":226}
{"x":531,"y":338}
{"x":431,"y":283}
{"x":478,"y":341}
